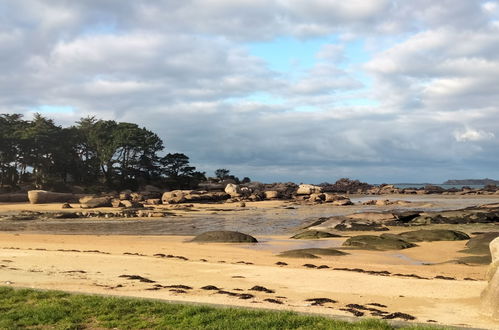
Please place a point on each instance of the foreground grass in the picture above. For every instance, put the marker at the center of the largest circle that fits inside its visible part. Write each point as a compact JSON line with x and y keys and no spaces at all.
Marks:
{"x":24,"y":308}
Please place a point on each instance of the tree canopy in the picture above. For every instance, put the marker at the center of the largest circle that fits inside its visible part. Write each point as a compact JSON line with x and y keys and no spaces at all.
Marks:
{"x":96,"y":153}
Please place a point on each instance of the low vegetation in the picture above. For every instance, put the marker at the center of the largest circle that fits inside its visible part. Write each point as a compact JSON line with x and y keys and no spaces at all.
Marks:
{"x":24,"y":308}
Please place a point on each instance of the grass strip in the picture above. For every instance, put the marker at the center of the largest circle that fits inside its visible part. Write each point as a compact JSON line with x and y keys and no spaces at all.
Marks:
{"x":26,"y":308}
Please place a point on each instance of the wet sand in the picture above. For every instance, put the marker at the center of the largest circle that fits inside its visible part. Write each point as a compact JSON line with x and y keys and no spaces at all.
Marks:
{"x":423,"y":281}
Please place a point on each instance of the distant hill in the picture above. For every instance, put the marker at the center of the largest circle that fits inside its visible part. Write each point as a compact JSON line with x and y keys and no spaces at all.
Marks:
{"x":472,"y":182}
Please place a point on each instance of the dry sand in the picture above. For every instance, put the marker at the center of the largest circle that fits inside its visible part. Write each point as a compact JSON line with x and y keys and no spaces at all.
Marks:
{"x":94,"y":263}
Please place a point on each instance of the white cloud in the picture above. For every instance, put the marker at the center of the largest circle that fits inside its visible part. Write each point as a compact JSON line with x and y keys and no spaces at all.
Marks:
{"x":472,"y":135}
{"x":183,"y":69}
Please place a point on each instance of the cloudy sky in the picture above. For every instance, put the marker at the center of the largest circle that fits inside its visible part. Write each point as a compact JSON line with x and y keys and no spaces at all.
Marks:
{"x":277,"y":90}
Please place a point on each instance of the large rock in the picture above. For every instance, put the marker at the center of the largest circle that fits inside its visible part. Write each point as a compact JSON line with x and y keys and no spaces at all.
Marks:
{"x":271,"y":194}
{"x":233,"y":190}
{"x":311,"y":253}
{"x":490,"y":296}
{"x":383,"y":242}
{"x":360,"y":225}
{"x":192,"y":196}
{"x":42,"y":196}
{"x":222,"y":236}
{"x":174,"y":197}
{"x":313,"y":234}
{"x":307,"y":189}
{"x":479,"y":250}
{"x":430,"y":235}
{"x":480,"y":244}
{"x":89,"y":202}
{"x":343,"y":202}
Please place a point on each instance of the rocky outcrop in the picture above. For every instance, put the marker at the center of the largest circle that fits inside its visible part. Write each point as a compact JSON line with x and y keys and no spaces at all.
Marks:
{"x":311,"y":253}
{"x":222,"y":236}
{"x":384,"y":189}
{"x":313,"y":234}
{"x":308,"y":189}
{"x":346,"y":185}
{"x":271,"y":194}
{"x":431,"y":235}
{"x":342,"y":202}
{"x":90,"y":202}
{"x":192,"y":196}
{"x":383,"y":242}
{"x":490,"y":296}
{"x":43,"y":196}
{"x":233,"y":190}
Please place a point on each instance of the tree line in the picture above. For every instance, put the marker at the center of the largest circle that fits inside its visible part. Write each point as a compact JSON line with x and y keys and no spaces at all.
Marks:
{"x":93,"y":153}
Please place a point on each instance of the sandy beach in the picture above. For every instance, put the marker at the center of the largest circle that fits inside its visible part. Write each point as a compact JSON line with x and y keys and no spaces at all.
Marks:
{"x":425,"y":281}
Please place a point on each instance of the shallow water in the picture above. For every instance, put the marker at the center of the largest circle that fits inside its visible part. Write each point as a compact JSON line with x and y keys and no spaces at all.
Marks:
{"x":254,"y":221}
{"x":409,"y":259}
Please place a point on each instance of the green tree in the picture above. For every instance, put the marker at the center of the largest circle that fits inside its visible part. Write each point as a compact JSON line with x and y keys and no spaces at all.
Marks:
{"x":176,"y":165}
{"x":10,"y":126}
{"x":222,"y":174}
{"x":38,"y":143}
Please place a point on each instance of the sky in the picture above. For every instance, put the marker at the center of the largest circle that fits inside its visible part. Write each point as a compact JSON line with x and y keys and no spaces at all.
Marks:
{"x":276,"y":90}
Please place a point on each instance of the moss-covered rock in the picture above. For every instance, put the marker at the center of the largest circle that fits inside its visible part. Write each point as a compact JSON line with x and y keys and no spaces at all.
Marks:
{"x":313,"y":234}
{"x":223,"y":236}
{"x":480,"y":243}
{"x":311,"y":253}
{"x":479,"y":247}
{"x":297,"y":254}
{"x":383,"y":242}
{"x":430,"y":235}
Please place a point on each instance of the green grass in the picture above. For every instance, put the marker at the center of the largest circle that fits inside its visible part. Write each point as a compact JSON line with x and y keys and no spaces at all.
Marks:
{"x":25,"y":308}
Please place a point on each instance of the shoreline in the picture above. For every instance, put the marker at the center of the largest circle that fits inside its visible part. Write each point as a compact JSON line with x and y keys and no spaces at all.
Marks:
{"x":425,"y":282}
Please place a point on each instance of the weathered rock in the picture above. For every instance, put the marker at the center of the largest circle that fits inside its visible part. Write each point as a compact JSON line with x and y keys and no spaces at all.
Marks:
{"x":137,"y":196}
{"x":198,"y":197}
{"x":490,"y":296}
{"x":233,"y":190}
{"x":430,"y":235}
{"x":91,"y":202}
{"x":222,"y":236}
{"x":66,"y":206}
{"x":313,"y":234}
{"x":383,"y":242}
{"x":131,"y":204}
{"x":116,"y":203}
{"x":153,"y":201}
{"x":307,"y":189}
{"x":192,"y":196}
{"x":308,"y":253}
{"x":343,"y":202}
{"x":271,"y":194}
{"x":373,"y":216}
{"x":360,"y":225}
{"x":174,"y":197}
{"x":330,"y":197}
{"x":480,"y":243}
{"x":13,"y":198}
{"x":125,"y":194}
{"x":42,"y":196}
{"x":317,"y":197}
{"x":345,"y":185}
{"x":297,"y":254}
